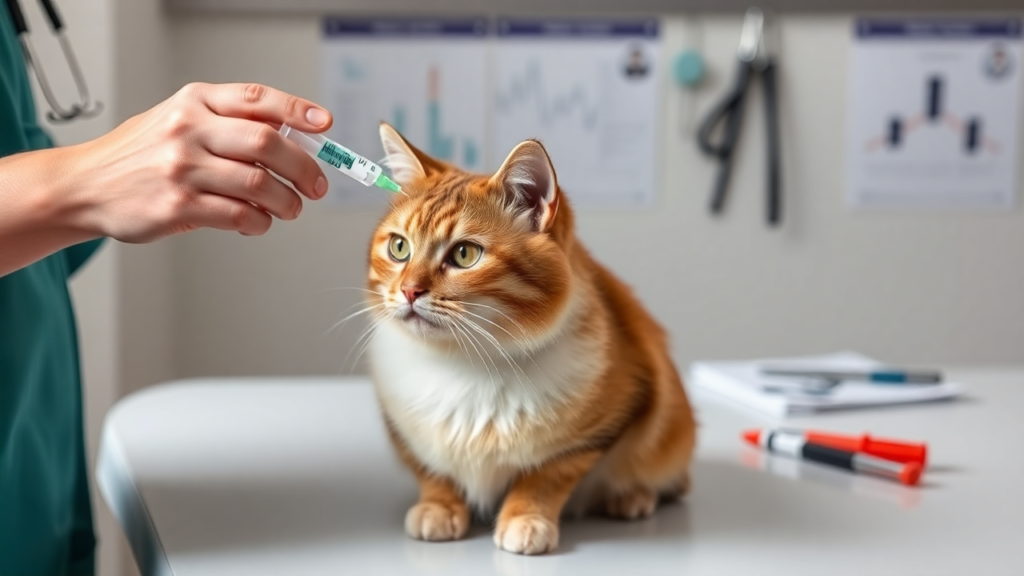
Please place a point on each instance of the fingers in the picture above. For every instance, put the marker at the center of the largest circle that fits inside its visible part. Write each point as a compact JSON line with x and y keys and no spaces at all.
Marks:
{"x":258,"y":102}
{"x":255,"y":142}
{"x":223,"y":213}
{"x":249,"y":183}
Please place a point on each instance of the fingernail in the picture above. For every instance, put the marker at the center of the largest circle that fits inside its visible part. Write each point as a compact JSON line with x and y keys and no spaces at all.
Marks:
{"x":317,"y":117}
{"x":321,"y":187}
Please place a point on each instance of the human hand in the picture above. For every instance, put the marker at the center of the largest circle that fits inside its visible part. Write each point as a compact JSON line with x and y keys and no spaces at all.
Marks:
{"x":198,"y":159}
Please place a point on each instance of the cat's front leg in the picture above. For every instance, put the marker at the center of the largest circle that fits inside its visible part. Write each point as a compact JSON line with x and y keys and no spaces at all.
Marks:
{"x":441,"y":514}
{"x":528,"y":521}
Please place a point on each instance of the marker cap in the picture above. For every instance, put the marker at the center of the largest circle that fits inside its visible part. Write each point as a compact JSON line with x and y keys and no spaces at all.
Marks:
{"x":895,"y":450}
{"x":752,"y":437}
{"x":911,"y":473}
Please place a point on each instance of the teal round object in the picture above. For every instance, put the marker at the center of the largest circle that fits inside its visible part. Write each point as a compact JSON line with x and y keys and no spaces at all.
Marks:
{"x":688,"y":68}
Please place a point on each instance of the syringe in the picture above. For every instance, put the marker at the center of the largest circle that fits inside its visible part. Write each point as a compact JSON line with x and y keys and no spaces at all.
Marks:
{"x":346,"y":161}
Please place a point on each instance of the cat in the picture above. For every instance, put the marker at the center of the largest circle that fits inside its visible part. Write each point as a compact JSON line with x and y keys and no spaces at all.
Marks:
{"x":511,"y":368}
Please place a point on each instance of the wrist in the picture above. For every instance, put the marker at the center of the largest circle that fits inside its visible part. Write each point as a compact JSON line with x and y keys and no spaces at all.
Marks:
{"x":62,"y":194}
{"x":40,"y":209}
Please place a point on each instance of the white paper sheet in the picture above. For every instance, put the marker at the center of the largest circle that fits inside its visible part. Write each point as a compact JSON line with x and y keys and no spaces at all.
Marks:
{"x":933,"y":113}
{"x":588,"y":91}
{"x":469,"y":90}
{"x":743,"y":384}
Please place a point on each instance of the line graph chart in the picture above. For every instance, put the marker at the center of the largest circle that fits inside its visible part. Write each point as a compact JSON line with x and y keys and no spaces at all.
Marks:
{"x":530,"y":90}
{"x":588,"y":92}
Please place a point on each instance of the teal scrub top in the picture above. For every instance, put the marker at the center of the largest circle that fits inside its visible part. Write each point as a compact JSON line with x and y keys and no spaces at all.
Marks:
{"x":45,"y":517}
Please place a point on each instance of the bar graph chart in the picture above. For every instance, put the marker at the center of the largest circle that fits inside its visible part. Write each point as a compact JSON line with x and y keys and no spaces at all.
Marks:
{"x":425,"y":77}
{"x":966,"y":129}
{"x":933,"y":113}
{"x":438,"y":143}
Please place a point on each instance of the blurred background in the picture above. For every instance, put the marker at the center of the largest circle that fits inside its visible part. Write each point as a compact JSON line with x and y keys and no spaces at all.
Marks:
{"x":925,"y":286}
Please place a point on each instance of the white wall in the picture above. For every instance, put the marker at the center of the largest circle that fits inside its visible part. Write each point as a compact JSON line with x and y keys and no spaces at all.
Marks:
{"x":146,"y":275}
{"x":908,"y":287}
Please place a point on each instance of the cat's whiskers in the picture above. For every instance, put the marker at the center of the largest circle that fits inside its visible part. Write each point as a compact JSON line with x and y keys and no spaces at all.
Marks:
{"x":366,"y":332}
{"x":457,"y":313}
{"x":370,"y":334}
{"x":516,"y":369}
{"x":352,"y":288}
{"x":473,"y":341}
{"x":514,"y":323}
{"x":446,"y":311}
{"x":448,"y":324}
{"x":522,"y":343}
{"x":477,"y":345}
{"x":339,"y":323}
{"x":452,"y":326}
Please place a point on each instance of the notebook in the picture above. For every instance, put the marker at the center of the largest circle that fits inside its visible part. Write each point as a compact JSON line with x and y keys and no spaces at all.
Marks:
{"x":742,"y":383}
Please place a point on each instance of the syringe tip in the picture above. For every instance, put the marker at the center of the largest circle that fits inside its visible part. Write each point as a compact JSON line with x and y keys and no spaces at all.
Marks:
{"x":388,"y":184}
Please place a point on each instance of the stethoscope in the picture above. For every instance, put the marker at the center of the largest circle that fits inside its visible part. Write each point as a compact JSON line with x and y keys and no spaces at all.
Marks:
{"x":86,"y":107}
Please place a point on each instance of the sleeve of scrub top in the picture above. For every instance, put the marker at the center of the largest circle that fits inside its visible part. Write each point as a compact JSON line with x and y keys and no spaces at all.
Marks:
{"x":80,"y":253}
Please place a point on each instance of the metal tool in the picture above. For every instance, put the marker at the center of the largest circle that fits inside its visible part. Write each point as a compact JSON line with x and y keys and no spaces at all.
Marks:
{"x":753,"y":60}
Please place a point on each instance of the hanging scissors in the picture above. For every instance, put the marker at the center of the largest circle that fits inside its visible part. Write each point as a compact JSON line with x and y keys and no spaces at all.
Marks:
{"x":753,"y":60}
{"x":86,"y":107}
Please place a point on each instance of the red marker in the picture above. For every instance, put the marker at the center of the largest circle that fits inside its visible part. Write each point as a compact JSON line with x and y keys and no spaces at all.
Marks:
{"x":797,"y":445}
{"x":895,"y":450}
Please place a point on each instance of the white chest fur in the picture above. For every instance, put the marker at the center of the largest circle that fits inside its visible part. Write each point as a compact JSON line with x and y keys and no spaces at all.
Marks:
{"x":478,"y":420}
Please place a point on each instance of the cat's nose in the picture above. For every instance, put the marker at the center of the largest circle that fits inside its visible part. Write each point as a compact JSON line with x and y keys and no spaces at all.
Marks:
{"x":412,"y":292}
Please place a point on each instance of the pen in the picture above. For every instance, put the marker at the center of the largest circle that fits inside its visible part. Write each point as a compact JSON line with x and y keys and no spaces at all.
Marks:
{"x":883,"y":376}
{"x":886,"y":448}
{"x":794,"y":444}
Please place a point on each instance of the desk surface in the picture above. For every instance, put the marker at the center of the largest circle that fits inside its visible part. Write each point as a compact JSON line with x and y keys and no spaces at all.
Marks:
{"x":295,"y":476}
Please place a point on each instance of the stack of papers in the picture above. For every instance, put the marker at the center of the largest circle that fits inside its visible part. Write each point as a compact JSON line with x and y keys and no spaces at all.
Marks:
{"x":743,"y":383}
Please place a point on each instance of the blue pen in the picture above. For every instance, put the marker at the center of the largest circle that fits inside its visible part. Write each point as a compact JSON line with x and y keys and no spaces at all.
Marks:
{"x":881,"y":376}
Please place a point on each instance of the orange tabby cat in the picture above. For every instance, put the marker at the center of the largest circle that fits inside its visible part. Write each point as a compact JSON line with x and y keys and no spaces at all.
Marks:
{"x":511,"y":367}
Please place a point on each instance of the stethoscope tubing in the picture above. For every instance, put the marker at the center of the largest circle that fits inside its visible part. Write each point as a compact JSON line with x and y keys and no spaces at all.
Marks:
{"x":85,"y":107}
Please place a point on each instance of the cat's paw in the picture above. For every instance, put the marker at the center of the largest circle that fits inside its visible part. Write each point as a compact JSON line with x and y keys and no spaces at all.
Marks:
{"x":526,"y":534}
{"x":638,"y":502}
{"x":436,"y":522}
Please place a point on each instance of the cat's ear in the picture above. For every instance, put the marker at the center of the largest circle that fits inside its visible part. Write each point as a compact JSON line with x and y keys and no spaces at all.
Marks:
{"x":527,"y":179}
{"x":407,"y":164}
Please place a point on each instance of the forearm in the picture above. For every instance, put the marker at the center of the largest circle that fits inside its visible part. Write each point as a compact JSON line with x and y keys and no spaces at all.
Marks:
{"x":40,"y":207}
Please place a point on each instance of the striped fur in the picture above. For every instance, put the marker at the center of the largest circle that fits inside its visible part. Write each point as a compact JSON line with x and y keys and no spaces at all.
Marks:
{"x":531,"y":378}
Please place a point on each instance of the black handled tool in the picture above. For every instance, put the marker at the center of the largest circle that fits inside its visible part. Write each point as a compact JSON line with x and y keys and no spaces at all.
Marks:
{"x":753,"y":60}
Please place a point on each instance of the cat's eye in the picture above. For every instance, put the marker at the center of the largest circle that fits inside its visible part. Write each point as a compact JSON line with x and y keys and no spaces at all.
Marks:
{"x":399,"y":248}
{"x":466,"y":254}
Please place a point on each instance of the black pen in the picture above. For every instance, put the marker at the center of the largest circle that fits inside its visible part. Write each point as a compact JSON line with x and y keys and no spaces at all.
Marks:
{"x":882,"y":376}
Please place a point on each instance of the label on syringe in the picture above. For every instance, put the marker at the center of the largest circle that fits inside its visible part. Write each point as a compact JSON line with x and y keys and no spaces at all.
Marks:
{"x":336,"y":156}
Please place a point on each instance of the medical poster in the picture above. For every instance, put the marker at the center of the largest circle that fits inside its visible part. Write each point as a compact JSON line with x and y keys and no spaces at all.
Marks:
{"x":934,"y":113}
{"x":469,"y":90}
{"x":588,"y":91}
{"x":427,"y":78}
